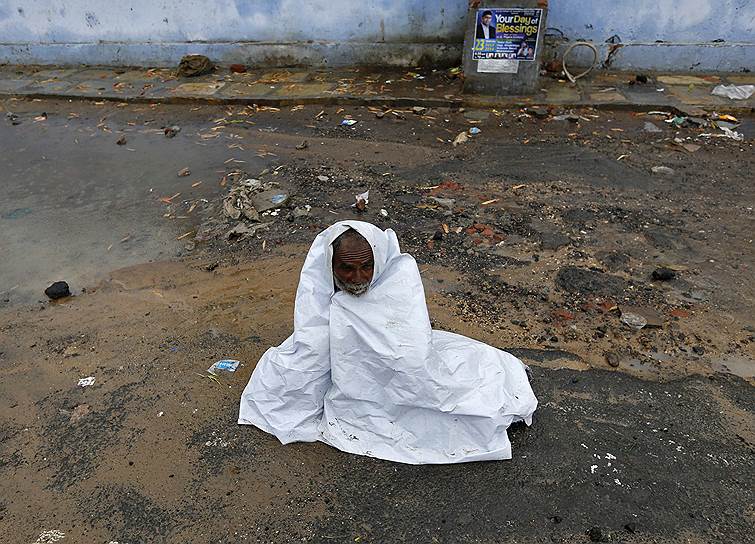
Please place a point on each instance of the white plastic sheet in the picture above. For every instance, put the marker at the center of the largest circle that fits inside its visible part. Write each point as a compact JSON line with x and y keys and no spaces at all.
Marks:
{"x":369,"y":376}
{"x":735,"y":92}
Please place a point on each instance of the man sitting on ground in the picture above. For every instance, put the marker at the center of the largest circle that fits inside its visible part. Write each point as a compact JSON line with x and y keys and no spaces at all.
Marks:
{"x":364,"y":371}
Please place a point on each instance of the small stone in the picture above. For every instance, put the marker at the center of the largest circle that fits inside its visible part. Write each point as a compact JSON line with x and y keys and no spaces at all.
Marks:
{"x":612,"y":359}
{"x":57,"y":290}
{"x":183,"y":172}
{"x":303,"y":145}
{"x":663,"y":274}
{"x":540,"y":113}
{"x":121,"y":141}
{"x":438,"y":235}
{"x":698,"y":350}
{"x":323,"y":178}
{"x":630,"y":528}
{"x":556,"y":519}
{"x":237,"y":68}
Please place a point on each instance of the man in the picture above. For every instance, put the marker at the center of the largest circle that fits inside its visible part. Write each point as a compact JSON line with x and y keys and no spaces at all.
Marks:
{"x":364,"y":371}
{"x":521,"y":53}
{"x":484,"y":29}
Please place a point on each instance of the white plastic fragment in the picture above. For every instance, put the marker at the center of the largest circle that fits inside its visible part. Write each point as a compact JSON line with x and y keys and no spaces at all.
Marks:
{"x":734,"y":92}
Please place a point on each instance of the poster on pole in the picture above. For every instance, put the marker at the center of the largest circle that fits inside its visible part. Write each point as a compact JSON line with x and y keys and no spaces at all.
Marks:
{"x":506,"y":34}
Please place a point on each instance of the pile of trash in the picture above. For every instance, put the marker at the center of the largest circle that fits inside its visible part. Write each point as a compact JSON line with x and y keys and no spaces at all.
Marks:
{"x":727,"y":124}
{"x":252,"y":200}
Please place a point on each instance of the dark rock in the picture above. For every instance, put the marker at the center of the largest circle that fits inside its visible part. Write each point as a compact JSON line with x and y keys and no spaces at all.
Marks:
{"x":578,"y":216}
{"x":630,"y":528}
{"x":663,"y":274}
{"x":438,"y":235}
{"x":698,"y":350}
{"x":615,"y":261}
{"x":641,"y":78}
{"x":57,"y":290}
{"x":596,"y":534}
{"x":590,"y":282}
{"x":553,"y":240}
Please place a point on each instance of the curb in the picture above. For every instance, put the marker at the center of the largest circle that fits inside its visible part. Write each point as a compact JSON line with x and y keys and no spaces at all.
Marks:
{"x":390,"y":101}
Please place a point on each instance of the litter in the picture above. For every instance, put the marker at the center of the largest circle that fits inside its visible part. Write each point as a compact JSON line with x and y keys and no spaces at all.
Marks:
{"x":650,"y":127}
{"x":301,"y":211}
{"x":445,"y":202}
{"x":85,"y":382}
{"x":323,"y":178}
{"x":633,"y":320}
{"x":228,"y":365}
{"x":171,"y":131}
{"x":733,"y":134}
{"x":242,"y":229}
{"x":734,"y":92}
{"x":566,"y":117}
{"x":49,"y":537}
{"x":194,"y":65}
{"x":183,"y":172}
{"x":461,"y":138}
{"x":663,"y":170}
{"x":419,"y":110}
{"x":474,"y":130}
{"x":383,"y":212}
{"x":303,"y":145}
{"x":349,"y":122}
{"x":121,"y":141}
{"x":13,"y":118}
{"x":727,"y":133}
{"x":361,"y":201}
{"x":269,"y":200}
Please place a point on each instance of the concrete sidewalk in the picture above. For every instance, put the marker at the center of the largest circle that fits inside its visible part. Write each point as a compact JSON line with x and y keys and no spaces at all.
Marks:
{"x":361,"y":87}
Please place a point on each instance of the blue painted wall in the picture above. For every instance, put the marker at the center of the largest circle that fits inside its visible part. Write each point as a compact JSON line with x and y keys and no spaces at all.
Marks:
{"x":337,"y":32}
{"x":706,"y":35}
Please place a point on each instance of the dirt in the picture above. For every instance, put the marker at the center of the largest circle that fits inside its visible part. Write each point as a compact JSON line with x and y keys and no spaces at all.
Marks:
{"x":548,"y":238}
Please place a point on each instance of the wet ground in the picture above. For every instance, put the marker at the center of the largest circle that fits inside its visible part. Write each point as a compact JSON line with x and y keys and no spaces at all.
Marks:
{"x":535,"y":235}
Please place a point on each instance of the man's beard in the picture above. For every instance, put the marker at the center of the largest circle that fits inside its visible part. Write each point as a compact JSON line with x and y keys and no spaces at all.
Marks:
{"x":355,"y":289}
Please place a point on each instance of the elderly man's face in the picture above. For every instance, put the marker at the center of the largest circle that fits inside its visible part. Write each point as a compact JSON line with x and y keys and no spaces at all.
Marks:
{"x":353,"y":264}
{"x":486,"y":20}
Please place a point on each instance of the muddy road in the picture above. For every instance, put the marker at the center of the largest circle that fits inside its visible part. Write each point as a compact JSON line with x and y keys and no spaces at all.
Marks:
{"x":536,"y":235}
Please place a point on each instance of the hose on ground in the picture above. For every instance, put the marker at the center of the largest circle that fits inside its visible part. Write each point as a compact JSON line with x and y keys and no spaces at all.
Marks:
{"x":568,"y":50}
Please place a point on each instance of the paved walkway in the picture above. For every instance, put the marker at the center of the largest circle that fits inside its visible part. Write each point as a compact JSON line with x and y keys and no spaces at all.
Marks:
{"x":359,"y":86}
